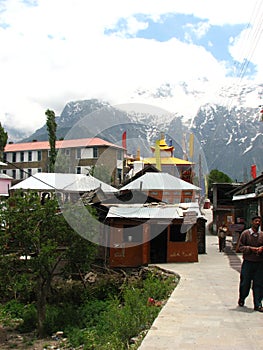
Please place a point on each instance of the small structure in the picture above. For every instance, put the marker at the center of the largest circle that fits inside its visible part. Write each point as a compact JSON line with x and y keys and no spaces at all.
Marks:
{"x":69,"y":187}
{"x":248,"y":201}
{"x":164,"y":187}
{"x":223,"y":206}
{"x":154,"y":233}
{"x":235,"y":204}
{"x":5,"y":184}
{"x":160,"y":221}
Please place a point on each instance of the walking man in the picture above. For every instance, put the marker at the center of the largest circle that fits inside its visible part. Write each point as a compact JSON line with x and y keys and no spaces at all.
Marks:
{"x":251,"y":245}
{"x":222,"y":231}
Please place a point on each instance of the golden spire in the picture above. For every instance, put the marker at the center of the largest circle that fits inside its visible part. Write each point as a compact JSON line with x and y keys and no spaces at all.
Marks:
{"x":138,"y":154}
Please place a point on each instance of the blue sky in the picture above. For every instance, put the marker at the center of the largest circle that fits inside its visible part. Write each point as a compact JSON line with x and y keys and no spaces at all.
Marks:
{"x":186,"y":28}
{"x":122,"y":51}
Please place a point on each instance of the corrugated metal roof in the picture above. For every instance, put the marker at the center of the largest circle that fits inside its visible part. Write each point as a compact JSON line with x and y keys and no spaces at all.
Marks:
{"x":82,"y":183}
{"x":151,"y":211}
{"x":63,"y":182}
{"x":5,"y":177}
{"x":41,"y":145}
{"x":157,"y":181}
{"x":144,"y":212}
{"x":243,"y":196}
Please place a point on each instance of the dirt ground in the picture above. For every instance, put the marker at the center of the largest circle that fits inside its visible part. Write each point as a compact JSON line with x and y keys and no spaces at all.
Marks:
{"x":10,"y":339}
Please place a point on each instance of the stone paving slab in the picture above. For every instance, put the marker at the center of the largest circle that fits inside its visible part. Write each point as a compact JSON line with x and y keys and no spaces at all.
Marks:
{"x":202,"y":312}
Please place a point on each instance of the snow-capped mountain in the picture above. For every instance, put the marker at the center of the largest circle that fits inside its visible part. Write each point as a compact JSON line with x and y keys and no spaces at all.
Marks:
{"x":231,"y":139}
{"x":228,"y":134}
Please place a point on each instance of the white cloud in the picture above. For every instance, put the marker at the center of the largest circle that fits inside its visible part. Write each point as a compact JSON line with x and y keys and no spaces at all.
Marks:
{"x":56,"y":52}
{"x":201,"y":29}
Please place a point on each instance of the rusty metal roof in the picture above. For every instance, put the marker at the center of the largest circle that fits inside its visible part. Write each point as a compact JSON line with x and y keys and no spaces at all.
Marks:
{"x":158,"y":211}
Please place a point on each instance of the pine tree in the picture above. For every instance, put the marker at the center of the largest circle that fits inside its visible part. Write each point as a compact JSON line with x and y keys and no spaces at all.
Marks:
{"x":52,"y":129}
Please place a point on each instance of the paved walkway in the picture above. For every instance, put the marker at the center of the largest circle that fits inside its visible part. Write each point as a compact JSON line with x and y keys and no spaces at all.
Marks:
{"x":202,"y":312}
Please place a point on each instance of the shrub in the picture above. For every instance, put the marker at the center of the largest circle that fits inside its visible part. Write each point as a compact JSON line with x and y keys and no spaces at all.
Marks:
{"x":13,"y":308}
{"x":159,"y":287}
{"x":29,"y":317}
{"x":61,"y":316}
{"x":90,"y":312}
{"x":78,"y":337}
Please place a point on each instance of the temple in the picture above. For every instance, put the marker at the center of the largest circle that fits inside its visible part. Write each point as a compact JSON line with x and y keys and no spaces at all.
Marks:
{"x":163,"y":159}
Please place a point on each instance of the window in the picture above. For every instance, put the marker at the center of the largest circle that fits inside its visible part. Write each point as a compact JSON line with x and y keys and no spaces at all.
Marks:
{"x":78,"y":153}
{"x":29,"y":172}
{"x":153,"y":193}
{"x":187,"y":200}
{"x":67,"y":152}
{"x":119,"y":174}
{"x":14,"y":157}
{"x":4,"y":157}
{"x":39,"y":156}
{"x":21,"y":174}
{"x":22,"y":157}
{"x":14,"y":174}
{"x":119,"y":155}
{"x":95,"y":152}
{"x":39,"y":170}
{"x":78,"y":170}
{"x":30,"y":156}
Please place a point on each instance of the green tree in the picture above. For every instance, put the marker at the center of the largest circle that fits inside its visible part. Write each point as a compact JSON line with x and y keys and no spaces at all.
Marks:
{"x":37,"y":245}
{"x":101,"y":173}
{"x":216,"y":176}
{"x":3,"y":140}
{"x":62,"y":164}
{"x":52,"y":129}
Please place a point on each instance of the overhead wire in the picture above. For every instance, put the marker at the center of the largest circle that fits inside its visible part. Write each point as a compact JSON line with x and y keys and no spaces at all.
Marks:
{"x":27,"y":173}
{"x":56,"y":189}
{"x":253,"y":33}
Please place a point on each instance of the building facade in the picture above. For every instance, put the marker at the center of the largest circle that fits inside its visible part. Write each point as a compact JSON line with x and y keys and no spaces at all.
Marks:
{"x":142,"y":235}
{"x":80,"y":156}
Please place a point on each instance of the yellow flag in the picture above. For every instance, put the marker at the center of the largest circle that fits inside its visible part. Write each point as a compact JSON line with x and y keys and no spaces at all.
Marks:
{"x":206,"y":186}
{"x":191,"y":145}
{"x":158,"y":155}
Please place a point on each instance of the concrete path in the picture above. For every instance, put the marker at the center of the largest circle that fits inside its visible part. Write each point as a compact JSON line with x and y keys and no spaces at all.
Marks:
{"x":202,"y":312}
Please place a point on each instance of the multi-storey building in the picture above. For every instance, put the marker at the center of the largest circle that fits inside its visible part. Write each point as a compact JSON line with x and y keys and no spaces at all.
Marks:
{"x":78,"y":156}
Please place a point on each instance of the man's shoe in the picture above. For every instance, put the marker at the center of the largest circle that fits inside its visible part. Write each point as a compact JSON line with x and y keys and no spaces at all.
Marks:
{"x":241,"y":302}
{"x":258,"y":308}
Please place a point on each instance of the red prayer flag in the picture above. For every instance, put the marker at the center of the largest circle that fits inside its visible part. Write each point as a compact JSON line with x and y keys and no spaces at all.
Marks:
{"x":124,"y":143}
{"x":254,"y":171}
